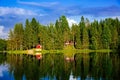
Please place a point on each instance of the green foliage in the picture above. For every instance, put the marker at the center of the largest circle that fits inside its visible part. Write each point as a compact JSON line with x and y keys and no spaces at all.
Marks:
{"x":34,"y":26}
{"x":3,"y":44}
{"x":106,"y":37}
{"x":15,"y":41}
{"x":65,"y":28}
{"x":85,"y":39}
{"x":85,"y":35}
{"x":27,"y":35}
{"x":77,"y":39}
{"x":11,"y":41}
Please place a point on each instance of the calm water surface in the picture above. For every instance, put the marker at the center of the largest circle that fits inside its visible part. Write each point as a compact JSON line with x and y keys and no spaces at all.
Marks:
{"x":92,"y":66}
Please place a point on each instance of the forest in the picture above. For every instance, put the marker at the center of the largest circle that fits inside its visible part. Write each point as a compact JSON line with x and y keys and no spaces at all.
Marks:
{"x":3,"y":44}
{"x":96,"y":35}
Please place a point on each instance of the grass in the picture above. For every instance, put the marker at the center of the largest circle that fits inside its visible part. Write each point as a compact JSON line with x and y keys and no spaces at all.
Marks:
{"x":68,"y":51}
{"x":63,"y":51}
{"x":17,"y":52}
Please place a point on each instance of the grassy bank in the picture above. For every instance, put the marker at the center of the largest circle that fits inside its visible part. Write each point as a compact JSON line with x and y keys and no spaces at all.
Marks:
{"x":68,"y":51}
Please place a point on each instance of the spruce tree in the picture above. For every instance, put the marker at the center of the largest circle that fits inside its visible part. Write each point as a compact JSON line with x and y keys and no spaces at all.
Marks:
{"x":94,"y":36}
{"x":35,"y":27}
{"x":27,"y":35}
{"x":11,"y":40}
{"x":106,"y":36}
{"x":77,"y":38}
{"x":65,"y":28}
{"x":85,"y":39}
{"x":18,"y":36}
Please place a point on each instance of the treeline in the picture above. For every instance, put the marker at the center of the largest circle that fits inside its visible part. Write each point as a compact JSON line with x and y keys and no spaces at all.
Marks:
{"x":94,"y":35}
{"x":3,"y":44}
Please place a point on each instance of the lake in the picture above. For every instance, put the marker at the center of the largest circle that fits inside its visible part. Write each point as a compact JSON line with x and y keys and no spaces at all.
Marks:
{"x":82,"y":66}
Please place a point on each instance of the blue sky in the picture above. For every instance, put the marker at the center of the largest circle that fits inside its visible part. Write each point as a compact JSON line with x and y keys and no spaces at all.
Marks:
{"x":47,"y":11}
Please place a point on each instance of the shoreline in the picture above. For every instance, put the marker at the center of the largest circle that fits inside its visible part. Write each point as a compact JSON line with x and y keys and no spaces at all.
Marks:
{"x":59,"y":51}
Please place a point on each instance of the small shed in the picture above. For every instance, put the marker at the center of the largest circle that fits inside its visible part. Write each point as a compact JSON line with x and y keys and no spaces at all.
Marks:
{"x":39,"y":46}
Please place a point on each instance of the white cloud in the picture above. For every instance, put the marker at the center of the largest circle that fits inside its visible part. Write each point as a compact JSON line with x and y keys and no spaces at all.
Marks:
{"x":1,"y":29}
{"x":76,"y":19}
{"x":114,"y":17}
{"x":102,"y":18}
{"x":71,"y":21}
{"x":2,"y":69}
{"x":3,"y":34}
{"x":15,"y":10}
{"x":42,"y":14}
{"x":42,"y":4}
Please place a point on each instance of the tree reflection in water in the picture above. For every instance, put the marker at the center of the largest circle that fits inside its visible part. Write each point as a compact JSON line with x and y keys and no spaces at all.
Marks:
{"x":55,"y":67}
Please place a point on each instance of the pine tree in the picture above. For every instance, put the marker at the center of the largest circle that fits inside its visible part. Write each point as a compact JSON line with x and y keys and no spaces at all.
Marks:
{"x":18,"y":36}
{"x":99,"y":29}
{"x":85,"y":39}
{"x":94,"y":36}
{"x":58,"y":38}
{"x":65,"y":28}
{"x":81,"y":26}
{"x":3,"y":44}
{"x":85,"y":44}
{"x":73,"y":33}
{"x":77,"y":38}
{"x":35,"y":31}
{"x":11,"y":41}
{"x":82,"y":29}
{"x":114,"y":39}
{"x":43,"y":35}
{"x":27,"y":35}
{"x":106,"y":37}
{"x":50,"y":37}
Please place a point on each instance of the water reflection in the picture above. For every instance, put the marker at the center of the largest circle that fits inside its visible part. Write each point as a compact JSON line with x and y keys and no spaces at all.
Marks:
{"x":85,"y":66}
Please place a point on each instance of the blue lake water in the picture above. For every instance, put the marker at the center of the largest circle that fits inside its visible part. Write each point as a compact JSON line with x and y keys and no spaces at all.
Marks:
{"x":82,"y":66}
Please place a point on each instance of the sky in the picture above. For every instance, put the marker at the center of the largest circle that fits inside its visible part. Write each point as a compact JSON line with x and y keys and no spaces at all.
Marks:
{"x":48,"y":11}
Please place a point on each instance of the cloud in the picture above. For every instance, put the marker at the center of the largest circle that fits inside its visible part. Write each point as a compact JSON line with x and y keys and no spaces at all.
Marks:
{"x":16,"y":11}
{"x":102,"y":11}
{"x":3,"y":34}
{"x":13,"y":15}
{"x":45,"y":15}
{"x":42,"y":4}
{"x":76,"y":10}
{"x":71,"y":21}
{"x":3,"y":68}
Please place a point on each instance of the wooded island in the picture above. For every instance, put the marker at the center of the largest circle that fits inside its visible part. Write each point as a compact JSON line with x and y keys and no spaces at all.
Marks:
{"x":96,"y":35}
